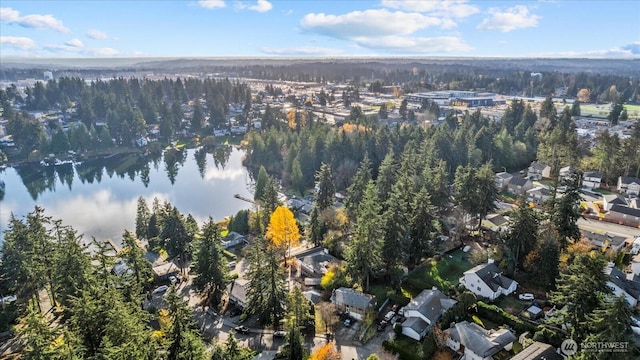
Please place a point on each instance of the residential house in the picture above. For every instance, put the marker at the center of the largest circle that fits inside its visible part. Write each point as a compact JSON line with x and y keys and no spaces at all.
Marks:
{"x":539,"y":171}
{"x":625,"y":285}
{"x":604,"y":241}
{"x":538,"y":351}
{"x":233,"y":239}
{"x":352,"y":302}
{"x":629,"y":185}
{"x":502,"y":179}
{"x":423,"y":312}
{"x":613,"y":199}
{"x":624,"y":215}
{"x":474,"y":342}
{"x":237,"y":291}
{"x":314,"y":263}
{"x":538,"y":195}
{"x":495,"y":222}
{"x":486,"y":280}
{"x":567,"y":171}
{"x":592,"y":180}
{"x":165,"y":271}
{"x":518,"y":186}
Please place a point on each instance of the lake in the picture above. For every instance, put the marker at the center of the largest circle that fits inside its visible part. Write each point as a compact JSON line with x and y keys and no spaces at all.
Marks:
{"x":99,"y":197}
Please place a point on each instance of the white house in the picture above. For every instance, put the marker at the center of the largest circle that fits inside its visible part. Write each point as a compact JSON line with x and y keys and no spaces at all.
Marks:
{"x":502,"y":179}
{"x":592,"y":180}
{"x":629,"y":185}
{"x":627,"y":286}
{"x":613,"y":199}
{"x":233,"y":239}
{"x":477,"y":343}
{"x":518,"y":186}
{"x":486,"y":280}
{"x":423,"y":312}
{"x":567,"y":171}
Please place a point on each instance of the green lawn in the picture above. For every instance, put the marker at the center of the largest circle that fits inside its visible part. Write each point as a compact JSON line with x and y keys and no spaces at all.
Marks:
{"x":510,"y":305}
{"x":441,"y":274}
{"x":603,"y":191}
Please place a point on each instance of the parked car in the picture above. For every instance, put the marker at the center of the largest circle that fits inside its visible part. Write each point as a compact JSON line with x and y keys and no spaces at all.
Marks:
{"x":160,"y":289}
{"x":347,"y":323}
{"x":279,"y":334}
{"x":241,"y":329}
{"x":389,"y":316}
{"x":526,"y":296}
{"x":383,"y":324}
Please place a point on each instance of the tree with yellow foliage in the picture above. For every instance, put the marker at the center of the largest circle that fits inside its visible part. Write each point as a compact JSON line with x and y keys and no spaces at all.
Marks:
{"x":282,"y":230}
{"x":326,"y":352}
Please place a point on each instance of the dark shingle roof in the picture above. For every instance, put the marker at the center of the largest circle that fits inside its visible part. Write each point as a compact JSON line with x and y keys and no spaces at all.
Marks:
{"x":620,"y":279}
{"x":628,"y":180}
{"x":431,"y":304}
{"x":480,"y":341}
{"x":625,"y":210}
{"x":492,"y":276}
{"x":518,"y":181}
{"x":592,"y":174}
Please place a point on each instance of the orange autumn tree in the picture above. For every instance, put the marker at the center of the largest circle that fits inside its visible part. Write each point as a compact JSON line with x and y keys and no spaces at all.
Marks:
{"x":282,"y":230}
{"x":326,"y":352}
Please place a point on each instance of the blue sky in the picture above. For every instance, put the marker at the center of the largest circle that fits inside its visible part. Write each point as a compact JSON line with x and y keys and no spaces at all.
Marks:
{"x":279,"y":28}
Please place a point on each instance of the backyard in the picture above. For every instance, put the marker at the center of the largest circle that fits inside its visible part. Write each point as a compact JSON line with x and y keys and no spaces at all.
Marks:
{"x":442,"y":273}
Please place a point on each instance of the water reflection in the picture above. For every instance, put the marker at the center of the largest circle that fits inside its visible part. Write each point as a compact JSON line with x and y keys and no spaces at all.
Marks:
{"x":98,"y":197}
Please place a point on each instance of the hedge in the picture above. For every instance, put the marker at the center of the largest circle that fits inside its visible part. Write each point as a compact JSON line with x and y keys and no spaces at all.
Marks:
{"x":495,"y":314}
{"x":402,"y":352}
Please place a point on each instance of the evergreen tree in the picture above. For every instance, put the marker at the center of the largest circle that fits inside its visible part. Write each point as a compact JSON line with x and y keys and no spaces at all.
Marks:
{"x":266,"y":289}
{"x":209,"y":267}
{"x":355,"y":192}
{"x":424,"y":227}
{"x":611,"y":324}
{"x":184,"y":340}
{"x":261,"y":182}
{"x":317,"y":228}
{"x":542,"y":263}
{"x":326,"y":189}
{"x":37,"y":335}
{"x":523,"y":233}
{"x":565,"y":212}
{"x":71,"y":267}
{"x":133,"y":256}
{"x":293,"y":345}
{"x":142,"y":218}
{"x":364,"y":255}
{"x":581,"y":289}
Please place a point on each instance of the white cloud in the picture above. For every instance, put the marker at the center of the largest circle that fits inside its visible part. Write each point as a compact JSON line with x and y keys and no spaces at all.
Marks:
{"x":371,"y":23}
{"x":212,"y":4}
{"x":97,"y":34}
{"x":301,"y":51}
{"x":448,"y":8}
{"x":416,"y":45}
{"x":74,"y":43}
{"x":104,"y":52}
{"x":213,"y":174}
{"x":261,"y":6}
{"x":517,"y":17}
{"x":36,"y":21}
{"x":18,"y":42}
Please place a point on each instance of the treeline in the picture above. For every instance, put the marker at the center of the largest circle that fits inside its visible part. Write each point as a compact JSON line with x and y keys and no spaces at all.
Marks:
{"x":117,"y":111}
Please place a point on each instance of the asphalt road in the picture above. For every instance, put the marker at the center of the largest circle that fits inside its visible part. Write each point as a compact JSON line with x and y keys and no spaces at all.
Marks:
{"x":601,"y":226}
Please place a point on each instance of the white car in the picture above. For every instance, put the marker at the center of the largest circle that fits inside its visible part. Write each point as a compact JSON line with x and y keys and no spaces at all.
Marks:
{"x":526,"y":296}
{"x":160,"y":289}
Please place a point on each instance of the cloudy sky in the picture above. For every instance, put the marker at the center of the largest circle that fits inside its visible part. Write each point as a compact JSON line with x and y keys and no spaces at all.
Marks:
{"x":337,"y":28}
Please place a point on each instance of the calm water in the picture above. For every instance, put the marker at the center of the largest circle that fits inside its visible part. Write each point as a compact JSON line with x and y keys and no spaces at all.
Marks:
{"x":99,"y":197}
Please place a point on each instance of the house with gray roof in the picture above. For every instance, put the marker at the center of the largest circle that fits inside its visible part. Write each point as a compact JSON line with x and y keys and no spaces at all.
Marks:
{"x":502,"y":179}
{"x":233,"y":239}
{"x":352,"y":302}
{"x":604,"y":241}
{"x":486,"y":280}
{"x":629,"y":185}
{"x":613,"y":199}
{"x":624,"y":215}
{"x":518,"y":186}
{"x":539,"y":195}
{"x":625,"y":285}
{"x":315,"y":262}
{"x":592,"y":179}
{"x":237,"y":291}
{"x":423,"y":312}
{"x":476,"y":343}
{"x":538,"y":171}
{"x":538,"y":351}
{"x":567,"y":171}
